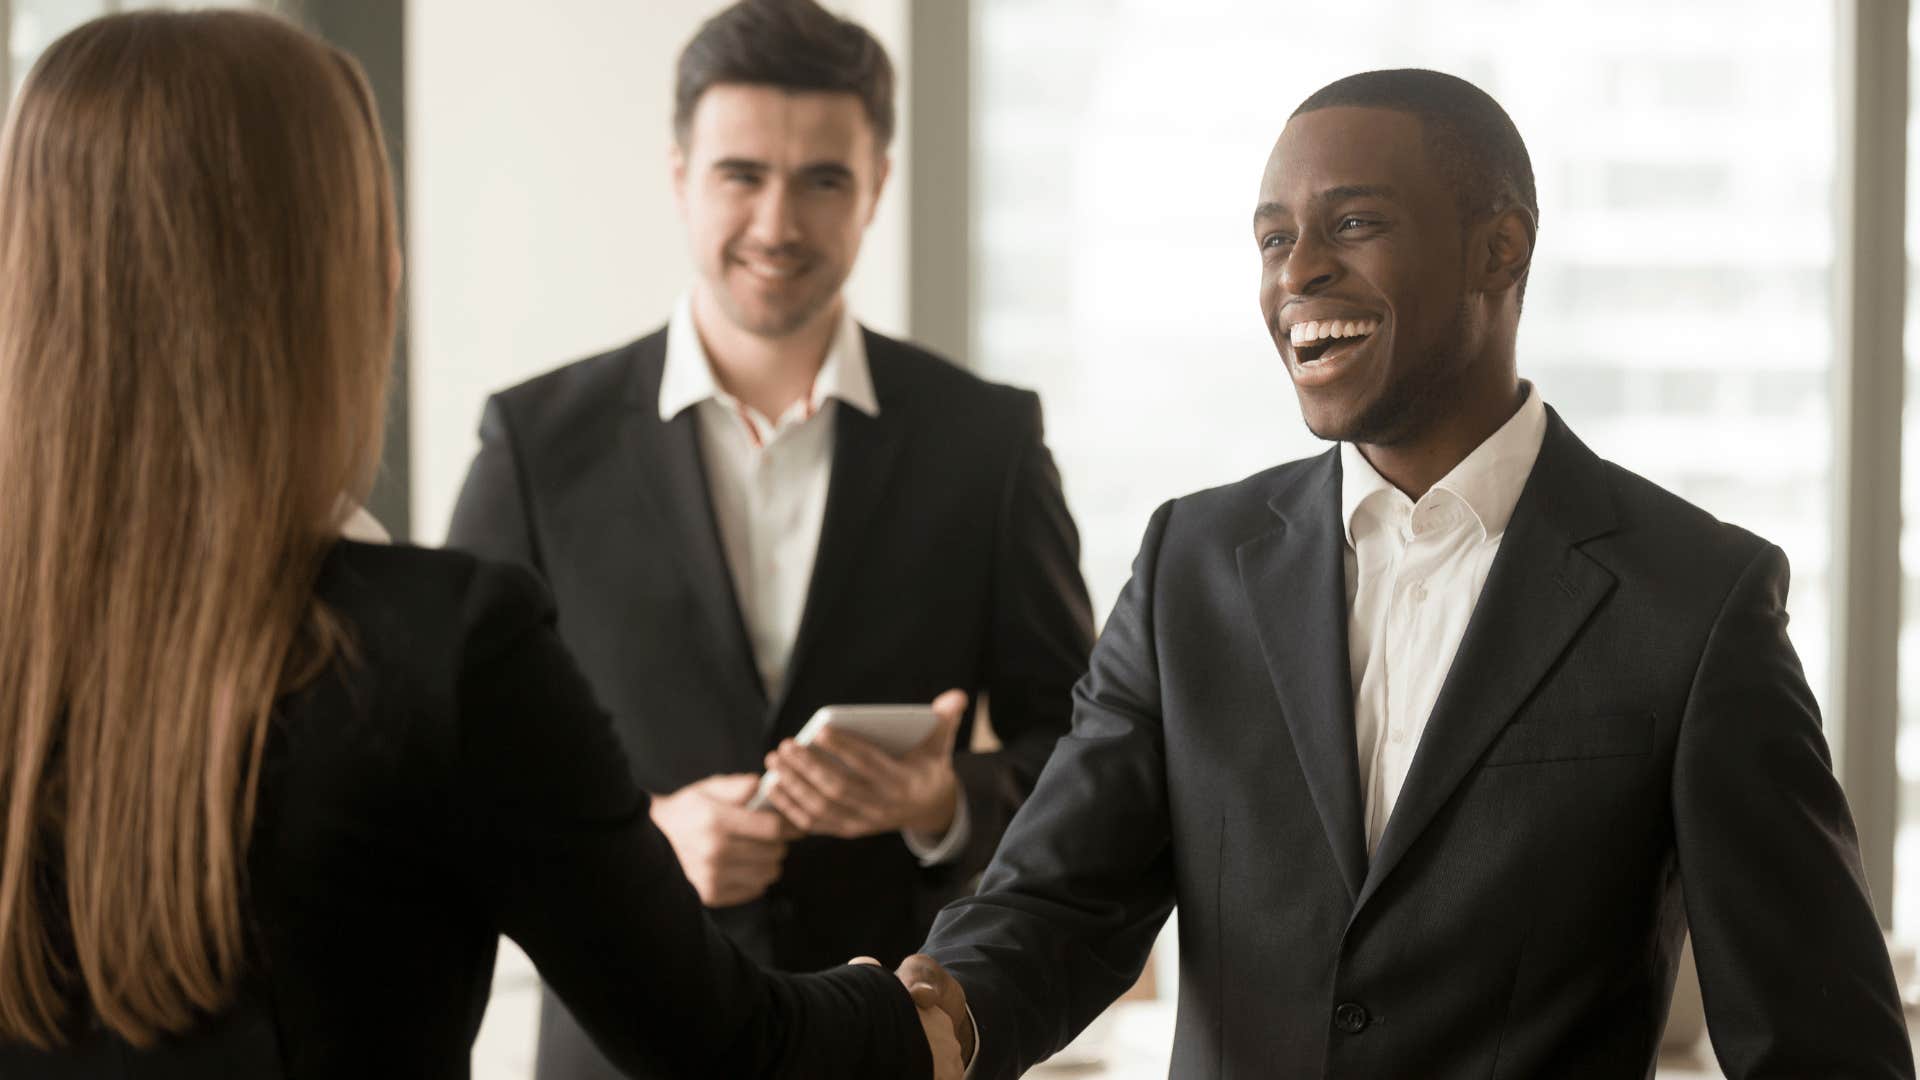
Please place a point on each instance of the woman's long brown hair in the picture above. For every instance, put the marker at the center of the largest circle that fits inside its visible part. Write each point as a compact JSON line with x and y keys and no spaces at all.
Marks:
{"x":196,"y":314}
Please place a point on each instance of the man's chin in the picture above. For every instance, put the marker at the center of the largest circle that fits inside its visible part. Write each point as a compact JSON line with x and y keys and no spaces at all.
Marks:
{"x":1328,"y":423}
{"x":772,"y":320}
{"x":1386,"y":421}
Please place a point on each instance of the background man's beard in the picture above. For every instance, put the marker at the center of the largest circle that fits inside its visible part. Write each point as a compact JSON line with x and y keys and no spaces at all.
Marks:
{"x":774,"y":322}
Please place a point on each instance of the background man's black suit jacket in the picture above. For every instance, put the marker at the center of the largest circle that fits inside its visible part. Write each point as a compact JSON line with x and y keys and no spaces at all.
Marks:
{"x":1625,"y":744}
{"x":947,"y":558}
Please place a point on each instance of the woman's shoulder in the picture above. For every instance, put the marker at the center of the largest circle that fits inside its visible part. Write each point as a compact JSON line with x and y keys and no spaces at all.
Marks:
{"x":429,"y":606}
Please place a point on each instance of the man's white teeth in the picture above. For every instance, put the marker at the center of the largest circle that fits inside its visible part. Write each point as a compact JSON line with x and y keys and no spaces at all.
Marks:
{"x":768,"y":271}
{"x":1306,"y":333}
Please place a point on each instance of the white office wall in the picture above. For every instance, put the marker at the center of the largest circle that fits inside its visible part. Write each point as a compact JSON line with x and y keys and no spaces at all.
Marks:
{"x":541,"y":225}
{"x":541,"y":229}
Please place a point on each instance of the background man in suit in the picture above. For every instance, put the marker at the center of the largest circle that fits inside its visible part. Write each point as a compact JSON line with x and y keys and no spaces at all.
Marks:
{"x":1439,"y":740}
{"x":763,"y":509}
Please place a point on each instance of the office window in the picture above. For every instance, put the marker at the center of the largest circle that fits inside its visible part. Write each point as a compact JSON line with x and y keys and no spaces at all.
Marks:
{"x":1678,"y":314}
{"x":1678,"y":317}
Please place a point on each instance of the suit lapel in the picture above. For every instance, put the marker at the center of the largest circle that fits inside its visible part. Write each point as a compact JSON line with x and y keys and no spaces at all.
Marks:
{"x":1539,"y":592}
{"x":865,"y":449}
{"x":1295,"y":580}
{"x":664,"y":456}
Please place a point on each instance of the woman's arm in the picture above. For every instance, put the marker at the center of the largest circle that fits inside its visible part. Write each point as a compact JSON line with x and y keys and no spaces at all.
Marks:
{"x":565,"y":857}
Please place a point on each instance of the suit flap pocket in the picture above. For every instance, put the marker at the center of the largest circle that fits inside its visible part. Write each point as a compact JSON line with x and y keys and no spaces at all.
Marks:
{"x":1620,"y":735}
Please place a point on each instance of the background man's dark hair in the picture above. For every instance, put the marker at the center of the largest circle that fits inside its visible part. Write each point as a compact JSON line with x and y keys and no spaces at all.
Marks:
{"x":792,"y":44}
{"x":1469,"y":137}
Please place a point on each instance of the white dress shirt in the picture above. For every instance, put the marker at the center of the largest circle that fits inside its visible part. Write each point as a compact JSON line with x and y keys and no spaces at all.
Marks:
{"x":1414,"y":573}
{"x":768,"y":481}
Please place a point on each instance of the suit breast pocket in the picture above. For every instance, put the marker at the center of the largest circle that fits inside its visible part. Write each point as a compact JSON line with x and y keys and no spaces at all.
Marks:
{"x":1618,"y":735}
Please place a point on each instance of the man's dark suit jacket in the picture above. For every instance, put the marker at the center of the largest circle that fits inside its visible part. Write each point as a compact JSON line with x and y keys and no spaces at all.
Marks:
{"x":1625,"y":745}
{"x":947,"y":559}
{"x":452,"y":781}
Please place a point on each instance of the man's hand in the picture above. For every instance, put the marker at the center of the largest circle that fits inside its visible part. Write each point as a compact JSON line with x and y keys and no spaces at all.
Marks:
{"x":933,"y":988}
{"x":948,"y":1063}
{"x":844,"y":786}
{"x":731,"y":854}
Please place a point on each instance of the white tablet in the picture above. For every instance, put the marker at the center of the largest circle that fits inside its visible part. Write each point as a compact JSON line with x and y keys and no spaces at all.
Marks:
{"x":893,"y":728}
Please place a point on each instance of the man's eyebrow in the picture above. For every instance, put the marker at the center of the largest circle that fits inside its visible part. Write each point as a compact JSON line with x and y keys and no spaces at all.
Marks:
{"x":826,"y":168}
{"x":1332,"y":194}
{"x":813,"y":168}
{"x":1356,"y":191}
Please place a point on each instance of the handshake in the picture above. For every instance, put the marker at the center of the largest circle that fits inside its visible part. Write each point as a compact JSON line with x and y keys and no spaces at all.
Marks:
{"x":943,"y":1012}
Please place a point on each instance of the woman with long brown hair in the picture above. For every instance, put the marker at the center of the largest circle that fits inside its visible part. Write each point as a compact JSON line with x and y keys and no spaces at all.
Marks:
{"x":268,"y":797}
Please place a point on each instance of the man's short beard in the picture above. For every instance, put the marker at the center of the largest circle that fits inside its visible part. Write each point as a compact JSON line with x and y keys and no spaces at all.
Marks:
{"x":782,"y":323}
{"x":1417,"y":398}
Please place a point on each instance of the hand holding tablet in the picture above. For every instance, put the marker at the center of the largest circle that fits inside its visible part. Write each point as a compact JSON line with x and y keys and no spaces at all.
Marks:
{"x":896,"y":729}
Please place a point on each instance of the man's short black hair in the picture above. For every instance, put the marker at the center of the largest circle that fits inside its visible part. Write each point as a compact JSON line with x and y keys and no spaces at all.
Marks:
{"x":792,"y":44}
{"x":1470,"y":138}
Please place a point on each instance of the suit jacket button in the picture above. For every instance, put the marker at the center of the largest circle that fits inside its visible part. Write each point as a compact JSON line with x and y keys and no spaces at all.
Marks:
{"x":1351,"y":1018}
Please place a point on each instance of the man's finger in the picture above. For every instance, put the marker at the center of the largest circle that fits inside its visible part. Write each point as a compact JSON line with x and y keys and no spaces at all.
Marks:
{"x":806,"y":807}
{"x":923,"y":970}
{"x":802,"y":818}
{"x":922,"y":974}
{"x":951,"y":705}
{"x":734,"y":789}
{"x":830,"y":779}
{"x":948,"y":710}
{"x":750,"y":853}
{"x":864,"y":761}
{"x":761,"y":825}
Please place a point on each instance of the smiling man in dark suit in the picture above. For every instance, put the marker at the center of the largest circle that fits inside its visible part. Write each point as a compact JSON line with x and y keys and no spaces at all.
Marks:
{"x":764,"y":508}
{"x":1439,"y":740}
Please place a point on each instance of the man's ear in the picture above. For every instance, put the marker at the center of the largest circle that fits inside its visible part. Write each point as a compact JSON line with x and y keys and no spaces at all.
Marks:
{"x":1508,"y":246}
{"x":882,"y":170}
{"x":677,"y":168}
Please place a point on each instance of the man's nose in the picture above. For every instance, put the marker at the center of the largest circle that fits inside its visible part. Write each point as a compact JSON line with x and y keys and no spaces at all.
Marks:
{"x":1310,"y":266}
{"x":775,"y":218}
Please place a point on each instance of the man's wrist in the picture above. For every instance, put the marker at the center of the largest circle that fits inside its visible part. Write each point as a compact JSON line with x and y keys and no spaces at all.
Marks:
{"x":937,"y":816}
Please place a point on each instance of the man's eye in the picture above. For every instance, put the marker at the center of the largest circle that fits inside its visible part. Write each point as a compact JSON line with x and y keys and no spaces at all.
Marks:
{"x":740,"y":177}
{"x":1351,"y":222}
{"x":1275,"y":240}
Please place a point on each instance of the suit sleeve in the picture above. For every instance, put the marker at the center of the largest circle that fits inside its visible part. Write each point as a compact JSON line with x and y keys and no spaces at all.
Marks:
{"x":492,"y":517}
{"x":1068,"y":910}
{"x":569,"y":864}
{"x":1041,"y":632}
{"x":1793,"y":968}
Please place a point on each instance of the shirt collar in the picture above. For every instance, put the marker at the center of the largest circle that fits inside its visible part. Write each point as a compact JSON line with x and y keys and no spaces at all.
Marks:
{"x":1359,"y":481}
{"x":1487,"y":482}
{"x":688,"y":378}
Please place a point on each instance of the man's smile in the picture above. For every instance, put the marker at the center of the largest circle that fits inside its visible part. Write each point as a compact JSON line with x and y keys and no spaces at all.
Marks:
{"x":1321,"y":342}
{"x":771,"y":267}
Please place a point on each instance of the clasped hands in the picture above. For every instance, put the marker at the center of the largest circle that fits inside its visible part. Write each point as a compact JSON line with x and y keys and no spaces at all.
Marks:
{"x":840,"y":786}
{"x":942,"y":1005}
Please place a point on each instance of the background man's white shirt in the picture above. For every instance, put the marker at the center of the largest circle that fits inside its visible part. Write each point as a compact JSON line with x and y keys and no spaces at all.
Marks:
{"x":768,"y":480}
